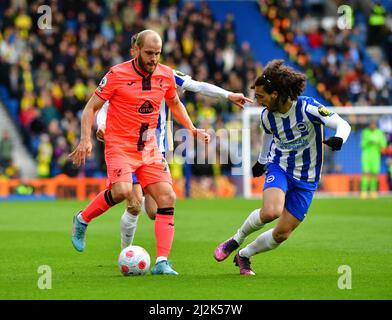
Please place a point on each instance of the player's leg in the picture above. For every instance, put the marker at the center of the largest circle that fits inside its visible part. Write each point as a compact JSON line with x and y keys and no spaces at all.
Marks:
{"x":375,"y":169}
{"x":163,"y":194}
{"x":130,"y":216}
{"x":103,"y":201}
{"x":297,"y":203}
{"x":366,"y":164}
{"x":273,"y":204}
{"x":155,"y":179}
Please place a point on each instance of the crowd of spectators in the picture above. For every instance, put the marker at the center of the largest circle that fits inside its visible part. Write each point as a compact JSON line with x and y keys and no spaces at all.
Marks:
{"x":53,"y":72}
{"x":334,"y":56}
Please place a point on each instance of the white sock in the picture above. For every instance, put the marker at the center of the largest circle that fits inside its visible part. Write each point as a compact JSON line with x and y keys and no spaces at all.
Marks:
{"x":80,"y":218}
{"x":263,"y":242}
{"x":128,"y":226}
{"x":251,"y":224}
{"x":161,"y":258}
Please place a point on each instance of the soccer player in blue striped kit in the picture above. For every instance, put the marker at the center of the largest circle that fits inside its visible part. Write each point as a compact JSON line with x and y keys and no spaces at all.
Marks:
{"x":291,"y":156}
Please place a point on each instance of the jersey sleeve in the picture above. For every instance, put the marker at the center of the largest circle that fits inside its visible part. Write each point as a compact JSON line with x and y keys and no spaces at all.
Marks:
{"x":204,"y":88}
{"x":108,"y":85}
{"x":172,"y":90}
{"x":320,"y":114}
{"x":265,"y":147}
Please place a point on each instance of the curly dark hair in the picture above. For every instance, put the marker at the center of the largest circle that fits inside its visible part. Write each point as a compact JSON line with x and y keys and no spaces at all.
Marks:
{"x":283,"y":79}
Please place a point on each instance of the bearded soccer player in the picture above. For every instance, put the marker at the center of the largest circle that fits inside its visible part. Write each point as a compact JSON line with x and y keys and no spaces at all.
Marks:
{"x":135,"y":89}
{"x":291,"y":156}
{"x":184,"y":82}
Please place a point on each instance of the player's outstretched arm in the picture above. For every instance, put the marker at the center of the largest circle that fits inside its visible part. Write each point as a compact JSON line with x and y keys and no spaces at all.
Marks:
{"x":182,"y":116}
{"x":83,"y":149}
{"x":210,"y":90}
{"x":342,"y":128}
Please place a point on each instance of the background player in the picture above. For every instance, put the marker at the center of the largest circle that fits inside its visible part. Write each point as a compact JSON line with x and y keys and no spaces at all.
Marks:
{"x":129,"y":218}
{"x":372,"y":142}
{"x":292,"y":155}
{"x":135,"y":89}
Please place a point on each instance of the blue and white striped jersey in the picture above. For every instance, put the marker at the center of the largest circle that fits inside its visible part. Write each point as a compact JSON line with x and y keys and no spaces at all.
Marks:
{"x":297,"y":143}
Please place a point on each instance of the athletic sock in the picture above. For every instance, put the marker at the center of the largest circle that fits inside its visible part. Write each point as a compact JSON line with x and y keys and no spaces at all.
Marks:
{"x":128,"y":226}
{"x":263,"y":242}
{"x":164,"y":231}
{"x":373,"y":184}
{"x":251,"y":224}
{"x":159,"y":259}
{"x":364,"y":184}
{"x":102,"y":202}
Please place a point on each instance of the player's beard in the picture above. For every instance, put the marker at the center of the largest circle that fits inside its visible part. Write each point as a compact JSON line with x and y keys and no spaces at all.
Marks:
{"x":144,"y":66}
{"x":274,"y":105}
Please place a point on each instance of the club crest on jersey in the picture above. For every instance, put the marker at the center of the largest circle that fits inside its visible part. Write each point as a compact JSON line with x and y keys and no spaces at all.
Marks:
{"x":323,"y":111}
{"x":270,"y":178}
{"x":117,"y":172}
{"x":160,"y":82}
{"x":146,"y":108}
{"x":302,"y":127}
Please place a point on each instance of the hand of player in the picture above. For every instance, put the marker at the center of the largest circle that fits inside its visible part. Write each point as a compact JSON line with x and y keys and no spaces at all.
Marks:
{"x":83,"y":150}
{"x":334,"y":142}
{"x":258,"y":169}
{"x":202,"y":135}
{"x":239,"y":99}
{"x":100,"y":133}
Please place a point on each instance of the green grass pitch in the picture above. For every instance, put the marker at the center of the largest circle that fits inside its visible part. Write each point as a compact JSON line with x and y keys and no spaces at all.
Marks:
{"x":336,"y":232}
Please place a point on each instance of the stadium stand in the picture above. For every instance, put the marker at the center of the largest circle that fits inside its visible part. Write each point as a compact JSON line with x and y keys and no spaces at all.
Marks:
{"x":47,"y":75}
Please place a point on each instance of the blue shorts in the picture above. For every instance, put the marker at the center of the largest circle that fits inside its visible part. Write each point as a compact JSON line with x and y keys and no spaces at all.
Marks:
{"x":299,"y":194}
{"x":134,"y":178}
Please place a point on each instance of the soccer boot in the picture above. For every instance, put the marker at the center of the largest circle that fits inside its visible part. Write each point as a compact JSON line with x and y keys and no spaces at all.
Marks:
{"x":163,"y":267}
{"x":244,"y":264}
{"x":224,"y":249}
{"x":78,"y":234}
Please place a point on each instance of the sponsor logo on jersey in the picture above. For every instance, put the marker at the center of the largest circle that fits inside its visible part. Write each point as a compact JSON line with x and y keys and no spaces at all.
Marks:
{"x":146,"y":107}
{"x":293,"y":145}
{"x":323,"y":111}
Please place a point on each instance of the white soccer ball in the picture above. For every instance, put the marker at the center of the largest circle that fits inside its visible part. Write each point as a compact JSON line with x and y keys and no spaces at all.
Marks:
{"x":134,"y":261}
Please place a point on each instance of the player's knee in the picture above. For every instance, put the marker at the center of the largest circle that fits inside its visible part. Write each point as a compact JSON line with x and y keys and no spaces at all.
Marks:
{"x":134,"y":206}
{"x":167,"y":199}
{"x":270,"y":213}
{"x":121,"y":193}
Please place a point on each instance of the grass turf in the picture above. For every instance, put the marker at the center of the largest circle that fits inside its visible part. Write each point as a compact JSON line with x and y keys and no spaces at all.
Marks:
{"x":336,"y":232}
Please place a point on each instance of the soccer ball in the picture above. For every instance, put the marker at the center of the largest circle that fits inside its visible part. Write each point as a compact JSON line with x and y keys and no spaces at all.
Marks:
{"x":134,"y":261}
